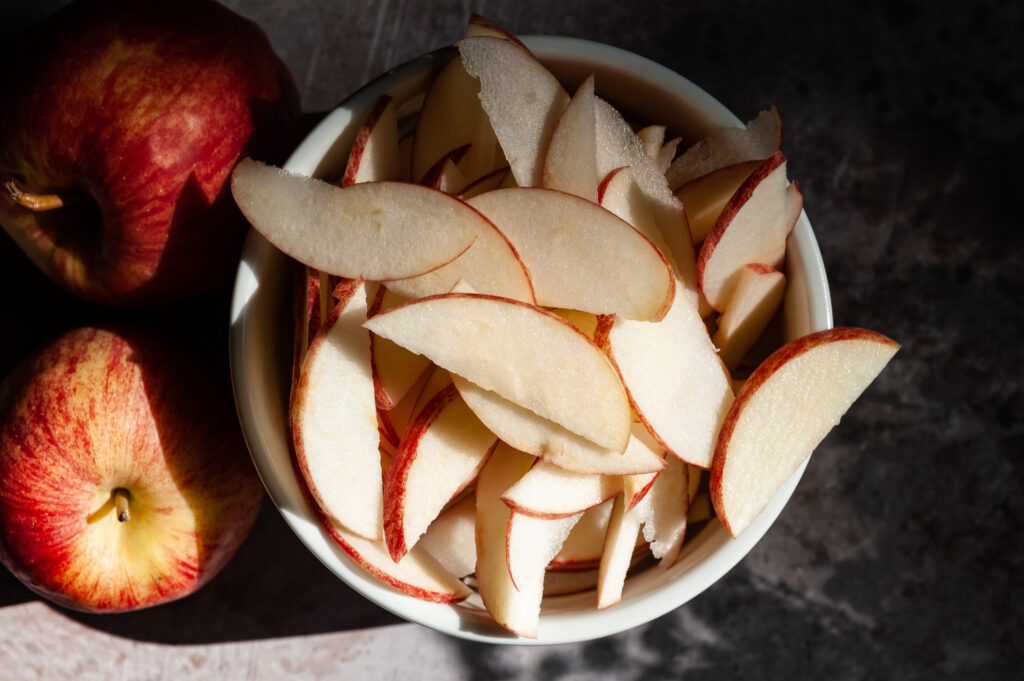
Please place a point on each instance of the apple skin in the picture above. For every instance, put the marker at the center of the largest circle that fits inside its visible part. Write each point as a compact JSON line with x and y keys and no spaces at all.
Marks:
{"x":102,"y":409}
{"x":135,"y":114}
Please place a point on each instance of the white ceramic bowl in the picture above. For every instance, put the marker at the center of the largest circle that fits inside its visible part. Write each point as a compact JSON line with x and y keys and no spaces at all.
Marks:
{"x":261,"y":338}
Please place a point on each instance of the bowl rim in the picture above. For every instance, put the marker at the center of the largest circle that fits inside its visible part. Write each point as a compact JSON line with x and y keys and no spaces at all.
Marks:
{"x":701,"y":567}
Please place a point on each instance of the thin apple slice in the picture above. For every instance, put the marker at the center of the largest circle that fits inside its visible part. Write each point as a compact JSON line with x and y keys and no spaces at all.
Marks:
{"x":531,"y":543}
{"x":705,"y":197}
{"x":451,"y":117}
{"x":378,"y":230}
{"x":548,"y":491}
{"x":522,"y":99}
{"x":667,"y":153}
{"x":521,"y":352}
{"x":418,"y":574}
{"x":440,"y":455}
{"x":479,"y":25}
{"x":395,"y":369}
{"x":582,"y":548}
{"x":451,"y":538}
{"x":752,"y":228}
{"x":570,"y":163}
{"x":580,"y":255}
{"x":374,"y":154}
{"x":536,"y":435}
{"x":445,"y":175}
{"x":486,"y":183}
{"x":784,"y":410}
{"x":517,"y":610}
{"x":619,"y":544}
{"x":563,"y":583}
{"x":665,"y":525}
{"x":757,"y":296}
{"x":652,"y":137}
{"x":334,"y":420}
{"x":728,"y":145}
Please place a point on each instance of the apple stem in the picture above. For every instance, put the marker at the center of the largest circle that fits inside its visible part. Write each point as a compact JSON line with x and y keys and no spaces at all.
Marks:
{"x":121,"y":497}
{"x":26,"y":199}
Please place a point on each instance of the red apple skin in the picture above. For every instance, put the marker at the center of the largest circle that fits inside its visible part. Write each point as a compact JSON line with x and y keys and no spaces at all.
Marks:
{"x":101,"y":409}
{"x":764,"y":371}
{"x":136,"y":113}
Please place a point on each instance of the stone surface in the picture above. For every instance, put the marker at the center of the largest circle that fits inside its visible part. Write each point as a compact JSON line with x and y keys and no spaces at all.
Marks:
{"x":899,"y":556}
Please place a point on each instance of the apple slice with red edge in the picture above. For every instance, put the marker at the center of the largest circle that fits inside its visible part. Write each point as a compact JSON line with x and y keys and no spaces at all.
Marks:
{"x":665,"y":525}
{"x":705,"y":197}
{"x":579,"y":255}
{"x":758,"y":295}
{"x":523,"y":101}
{"x":440,"y":455}
{"x":548,"y":491}
{"x":377,"y":230}
{"x":531,"y":543}
{"x":451,"y":538}
{"x":727,"y":145}
{"x":570,"y":162}
{"x":374,"y":153}
{"x":752,"y":228}
{"x":617,"y":554}
{"x":536,"y":435}
{"x":334,"y":419}
{"x":492,"y":180}
{"x":395,"y":369}
{"x":515,"y":609}
{"x":784,"y":410}
{"x":445,"y":175}
{"x":479,"y":25}
{"x":521,"y":352}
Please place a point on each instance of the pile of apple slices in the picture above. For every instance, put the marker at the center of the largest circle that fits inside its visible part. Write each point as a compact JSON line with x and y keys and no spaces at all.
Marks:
{"x":515,"y":330}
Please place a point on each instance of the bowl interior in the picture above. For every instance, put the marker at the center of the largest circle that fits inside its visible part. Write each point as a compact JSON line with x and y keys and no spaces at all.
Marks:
{"x":261,"y":338}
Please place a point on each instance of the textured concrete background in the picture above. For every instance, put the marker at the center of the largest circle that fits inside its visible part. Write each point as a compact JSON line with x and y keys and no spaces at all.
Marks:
{"x":899,"y":557}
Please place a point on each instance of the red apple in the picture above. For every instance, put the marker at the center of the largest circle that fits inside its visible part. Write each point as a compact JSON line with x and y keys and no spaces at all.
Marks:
{"x":125,"y":122}
{"x":124,"y":480}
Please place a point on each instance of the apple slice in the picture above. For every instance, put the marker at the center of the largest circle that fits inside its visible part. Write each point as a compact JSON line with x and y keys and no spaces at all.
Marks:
{"x":451,"y":538}
{"x":728,"y":145}
{"x":619,"y":544}
{"x":451,"y":117}
{"x":486,"y":183}
{"x":570,"y":163}
{"x":784,"y":410}
{"x":667,"y":153}
{"x":665,"y":523}
{"x":582,"y":548}
{"x":652,"y":137}
{"x":517,"y":610}
{"x":395,"y":369}
{"x":479,"y":25}
{"x":705,"y":197}
{"x":580,"y":255}
{"x":752,"y":228}
{"x":700,"y":509}
{"x":378,"y":230}
{"x":418,"y":574}
{"x":531,"y":543}
{"x":563,"y":583}
{"x":524,"y":353}
{"x":533,"y":434}
{"x":522,"y":99}
{"x":334,"y":420}
{"x":548,"y":491}
{"x":757,"y":296}
{"x":374,"y":154}
{"x":445,"y":175}
{"x":440,"y":455}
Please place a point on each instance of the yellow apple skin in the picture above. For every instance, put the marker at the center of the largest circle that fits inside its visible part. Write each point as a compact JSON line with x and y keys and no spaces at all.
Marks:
{"x":105,"y":412}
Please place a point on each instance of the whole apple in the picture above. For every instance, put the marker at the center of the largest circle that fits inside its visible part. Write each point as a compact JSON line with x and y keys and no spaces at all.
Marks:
{"x":124,"y":479}
{"x":118,"y":134}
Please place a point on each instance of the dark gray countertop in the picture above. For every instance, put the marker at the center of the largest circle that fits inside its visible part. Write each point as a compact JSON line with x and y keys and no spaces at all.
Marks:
{"x":899,"y":556}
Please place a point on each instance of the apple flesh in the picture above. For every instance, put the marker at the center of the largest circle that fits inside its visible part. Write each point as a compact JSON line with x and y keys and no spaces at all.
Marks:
{"x":785,"y":408}
{"x":124,"y":481}
{"x":130,"y":117}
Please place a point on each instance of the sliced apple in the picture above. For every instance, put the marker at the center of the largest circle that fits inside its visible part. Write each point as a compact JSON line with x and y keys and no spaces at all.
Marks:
{"x":700,"y":509}
{"x":619,"y":544}
{"x":580,"y":255}
{"x":522,"y":99}
{"x":728,"y":145}
{"x":445,"y":175}
{"x":548,"y":491}
{"x":784,"y":410}
{"x":378,"y":230}
{"x":667,"y":153}
{"x":705,"y":197}
{"x":757,"y":296}
{"x":570,"y":163}
{"x":395,"y":369}
{"x":451,"y":538}
{"x":665,"y":524}
{"x":374,"y":154}
{"x":752,"y":228}
{"x":334,"y":420}
{"x":517,"y":610}
{"x":479,"y":25}
{"x":536,"y":435}
{"x":441,"y":453}
{"x":486,"y":183}
{"x":531,"y":543}
{"x":582,"y":548}
{"x":521,"y":352}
